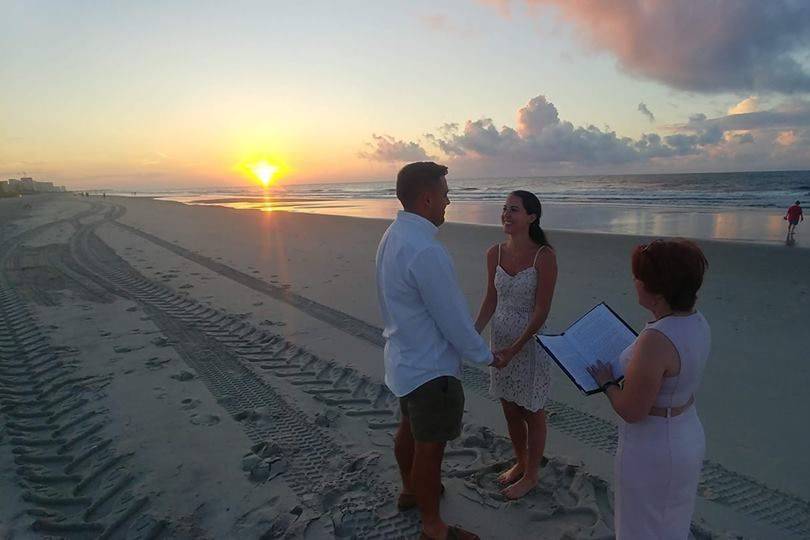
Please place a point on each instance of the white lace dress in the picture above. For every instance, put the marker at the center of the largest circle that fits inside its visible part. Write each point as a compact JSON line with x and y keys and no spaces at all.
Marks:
{"x":526,"y":380}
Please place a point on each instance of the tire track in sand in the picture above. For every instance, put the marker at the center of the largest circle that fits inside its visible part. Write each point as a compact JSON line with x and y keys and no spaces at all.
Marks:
{"x":719,"y":484}
{"x":75,"y":483}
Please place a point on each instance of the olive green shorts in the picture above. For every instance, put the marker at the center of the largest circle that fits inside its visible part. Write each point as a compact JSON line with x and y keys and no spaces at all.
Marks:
{"x":435,"y":410}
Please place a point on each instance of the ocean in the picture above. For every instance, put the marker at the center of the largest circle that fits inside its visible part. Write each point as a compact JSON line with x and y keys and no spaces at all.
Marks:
{"x":742,"y":206}
{"x":700,"y":190}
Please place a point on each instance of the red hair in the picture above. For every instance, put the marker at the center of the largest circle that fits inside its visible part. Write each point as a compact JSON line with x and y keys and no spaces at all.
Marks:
{"x":672,"y":268}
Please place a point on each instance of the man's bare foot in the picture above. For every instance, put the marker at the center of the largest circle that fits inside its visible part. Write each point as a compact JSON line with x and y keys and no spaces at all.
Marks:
{"x":510,"y":475}
{"x":520,"y":488}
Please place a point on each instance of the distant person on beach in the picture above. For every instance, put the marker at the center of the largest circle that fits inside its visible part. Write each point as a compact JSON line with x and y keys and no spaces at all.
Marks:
{"x":521,"y":274}
{"x":793,"y":216}
{"x":661,"y":440}
{"x":428,"y":329}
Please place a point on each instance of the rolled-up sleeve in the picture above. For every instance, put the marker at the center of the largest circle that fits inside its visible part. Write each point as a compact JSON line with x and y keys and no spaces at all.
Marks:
{"x":435,"y":277}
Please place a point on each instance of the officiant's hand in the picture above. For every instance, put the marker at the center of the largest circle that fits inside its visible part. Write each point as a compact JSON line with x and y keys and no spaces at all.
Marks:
{"x":601,"y":372}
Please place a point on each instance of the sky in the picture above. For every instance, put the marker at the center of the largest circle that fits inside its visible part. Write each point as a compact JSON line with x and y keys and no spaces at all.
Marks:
{"x":152,"y":94}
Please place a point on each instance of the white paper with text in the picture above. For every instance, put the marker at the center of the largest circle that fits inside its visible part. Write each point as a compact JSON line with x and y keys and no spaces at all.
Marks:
{"x":599,"y":335}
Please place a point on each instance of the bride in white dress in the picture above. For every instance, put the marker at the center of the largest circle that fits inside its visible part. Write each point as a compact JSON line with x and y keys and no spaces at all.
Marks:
{"x":522,"y":273}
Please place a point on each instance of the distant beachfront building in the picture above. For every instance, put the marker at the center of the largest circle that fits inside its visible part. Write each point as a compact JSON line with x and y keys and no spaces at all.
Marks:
{"x":27,"y":185}
{"x":43,"y":187}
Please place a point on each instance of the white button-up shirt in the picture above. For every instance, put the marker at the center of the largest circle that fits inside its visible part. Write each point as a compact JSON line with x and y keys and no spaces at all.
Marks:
{"x":428,"y":327}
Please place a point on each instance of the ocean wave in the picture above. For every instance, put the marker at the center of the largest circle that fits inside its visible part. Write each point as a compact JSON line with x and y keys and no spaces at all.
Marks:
{"x":716,"y":190}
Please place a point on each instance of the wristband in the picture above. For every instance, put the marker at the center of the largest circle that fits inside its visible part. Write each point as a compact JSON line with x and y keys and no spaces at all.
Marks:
{"x":604,"y":387}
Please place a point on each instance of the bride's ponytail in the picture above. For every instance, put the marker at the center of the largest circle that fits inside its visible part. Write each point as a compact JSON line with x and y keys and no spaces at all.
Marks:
{"x":532,"y":206}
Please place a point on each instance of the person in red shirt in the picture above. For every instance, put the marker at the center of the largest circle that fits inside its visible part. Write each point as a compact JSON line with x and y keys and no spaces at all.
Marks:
{"x":794,"y":214}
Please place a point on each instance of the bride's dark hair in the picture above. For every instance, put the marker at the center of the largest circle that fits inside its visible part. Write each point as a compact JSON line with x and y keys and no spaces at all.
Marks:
{"x":532,"y":206}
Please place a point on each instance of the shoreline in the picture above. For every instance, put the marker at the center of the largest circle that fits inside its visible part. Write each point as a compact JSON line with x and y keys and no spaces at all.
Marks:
{"x":748,"y":225}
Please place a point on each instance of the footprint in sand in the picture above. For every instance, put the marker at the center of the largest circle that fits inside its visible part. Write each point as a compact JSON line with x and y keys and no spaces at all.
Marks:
{"x":156,"y":363}
{"x":204,"y":419}
{"x":183,"y":376}
{"x":189,"y":404}
{"x":159,"y":341}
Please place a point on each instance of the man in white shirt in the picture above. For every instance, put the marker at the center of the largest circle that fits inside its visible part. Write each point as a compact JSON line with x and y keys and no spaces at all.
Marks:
{"x":428,"y":329}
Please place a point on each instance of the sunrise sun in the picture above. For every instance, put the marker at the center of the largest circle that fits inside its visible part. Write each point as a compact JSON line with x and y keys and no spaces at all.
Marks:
{"x":264,"y":171}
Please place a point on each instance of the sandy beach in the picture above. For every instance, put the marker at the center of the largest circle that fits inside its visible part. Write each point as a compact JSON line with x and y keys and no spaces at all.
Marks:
{"x":178,"y":371}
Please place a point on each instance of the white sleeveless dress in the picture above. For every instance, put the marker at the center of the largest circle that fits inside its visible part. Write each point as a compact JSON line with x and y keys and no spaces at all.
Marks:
{"x":526,"y":380}
{"x":658,"y":461}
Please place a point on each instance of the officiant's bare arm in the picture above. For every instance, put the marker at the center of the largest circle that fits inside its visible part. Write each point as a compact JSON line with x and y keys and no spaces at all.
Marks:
{"x":652,"y":357}
{"x":490,"y":301}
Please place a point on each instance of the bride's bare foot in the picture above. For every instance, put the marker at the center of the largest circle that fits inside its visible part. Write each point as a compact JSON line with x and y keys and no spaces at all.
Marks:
{"x":510,"y":475}
{"x":520,"y":488}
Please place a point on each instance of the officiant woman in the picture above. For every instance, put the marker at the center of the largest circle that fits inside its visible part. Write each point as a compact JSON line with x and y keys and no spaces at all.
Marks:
{"x":661,"y":439}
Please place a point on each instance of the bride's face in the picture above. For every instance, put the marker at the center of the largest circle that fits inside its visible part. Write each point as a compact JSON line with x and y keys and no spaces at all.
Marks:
{"x":514,"y":218}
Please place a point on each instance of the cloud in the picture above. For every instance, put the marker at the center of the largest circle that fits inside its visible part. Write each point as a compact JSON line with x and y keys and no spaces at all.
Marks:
{"x":642,"y":108}
{"x":791,"y":115}
{"x":748,"y":105}
{"x":388,"y":149}
{"x":786,"y":138}
{"x":536,"y":116}
{"x":777,"y":126}
{"x":743,"y":138}
{"x":541,"y":142}
{"x":707,"y":46}
{"x":542,"y":137}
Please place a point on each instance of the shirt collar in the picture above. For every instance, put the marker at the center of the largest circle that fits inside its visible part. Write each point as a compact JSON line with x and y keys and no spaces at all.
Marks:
{"x":417,"y":220}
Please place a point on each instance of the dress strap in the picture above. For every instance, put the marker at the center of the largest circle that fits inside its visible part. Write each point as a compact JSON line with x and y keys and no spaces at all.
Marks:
{"x":534,"y":262}
{"x":499,"y":254}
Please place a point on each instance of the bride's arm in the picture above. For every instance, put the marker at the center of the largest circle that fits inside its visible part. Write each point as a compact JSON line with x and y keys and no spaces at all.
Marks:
{"x":490,"y":301}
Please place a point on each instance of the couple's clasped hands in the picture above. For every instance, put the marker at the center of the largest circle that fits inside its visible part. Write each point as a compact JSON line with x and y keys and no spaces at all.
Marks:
{"x":502,"y":358}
